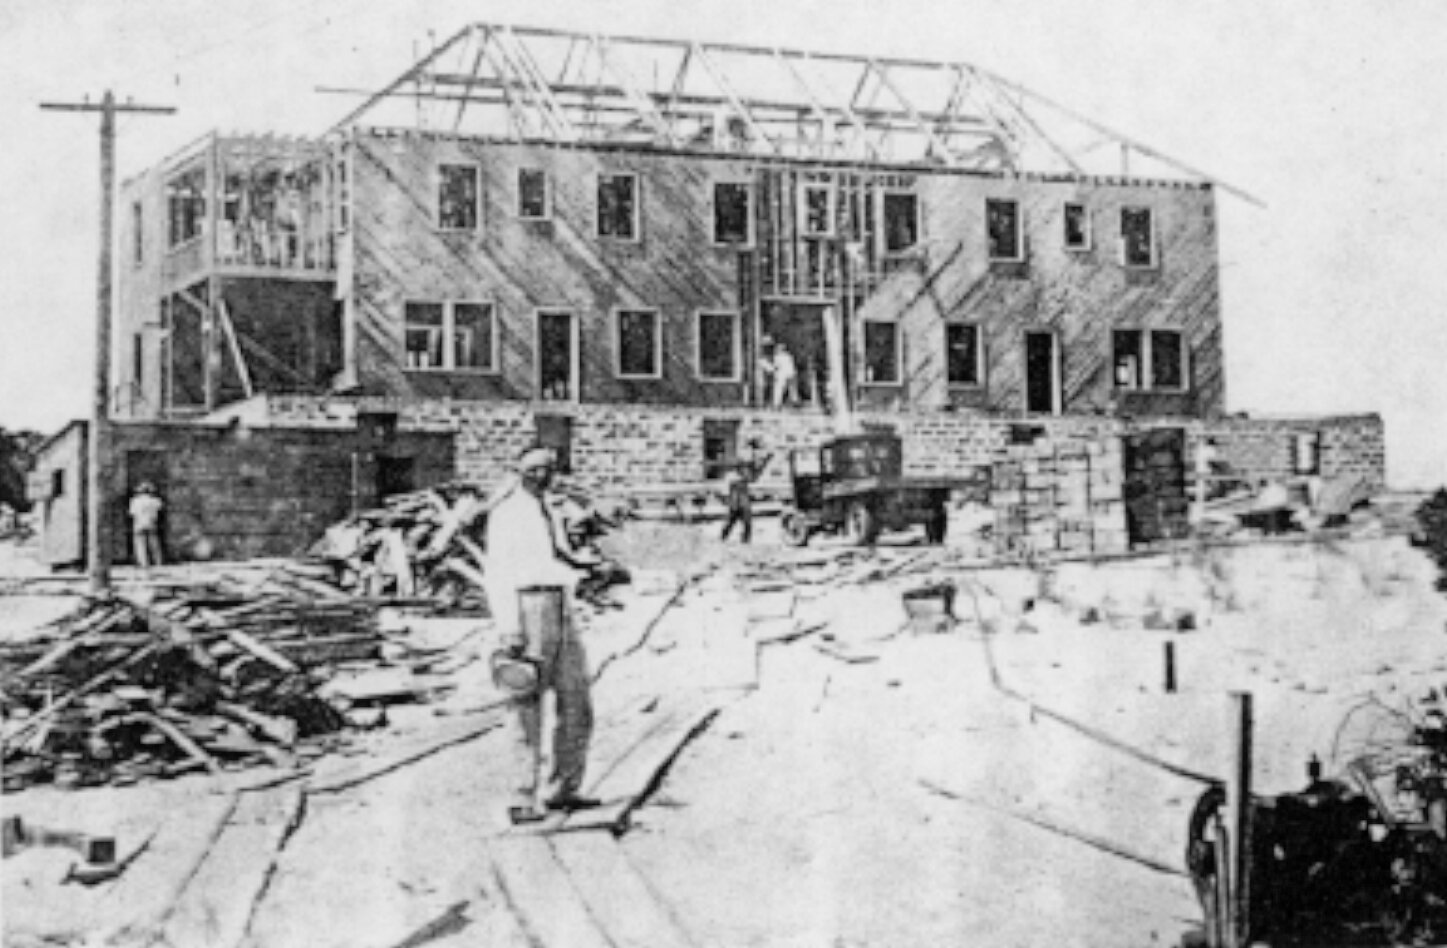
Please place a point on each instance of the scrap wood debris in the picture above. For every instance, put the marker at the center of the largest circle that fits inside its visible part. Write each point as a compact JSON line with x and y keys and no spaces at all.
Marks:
{"x":123,"y":692}
{"x":431,"y":544}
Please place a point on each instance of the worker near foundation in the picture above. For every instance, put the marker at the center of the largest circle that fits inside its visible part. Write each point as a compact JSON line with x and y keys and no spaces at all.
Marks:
{"x":738,"y":495}
{"x":529,"y":573}
{"x":145,"y":510}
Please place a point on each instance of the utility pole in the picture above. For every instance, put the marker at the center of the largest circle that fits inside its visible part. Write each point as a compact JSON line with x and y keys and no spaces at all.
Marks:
{"x":98,"y":553}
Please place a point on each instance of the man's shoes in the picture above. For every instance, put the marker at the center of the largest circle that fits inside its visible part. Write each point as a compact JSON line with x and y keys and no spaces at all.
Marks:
{"x":572,"y":804}
{"x":525,"y":815}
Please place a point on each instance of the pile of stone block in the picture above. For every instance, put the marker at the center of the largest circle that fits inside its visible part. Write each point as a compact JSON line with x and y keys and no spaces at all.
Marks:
{"x":1060,"y":498}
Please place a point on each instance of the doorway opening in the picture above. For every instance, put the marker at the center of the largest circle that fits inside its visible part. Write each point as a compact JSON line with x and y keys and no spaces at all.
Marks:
{"x":557,"y":356}
{"x":1042,"y":373}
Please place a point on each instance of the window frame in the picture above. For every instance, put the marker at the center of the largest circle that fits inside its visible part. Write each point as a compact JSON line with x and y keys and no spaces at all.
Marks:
{"x":636,"y":222}
{"x":1087,"y":227}
{"x":138,"y":234}
{"x":618,"y":372}
{"x":898,"y":379}
{"x":831,"y":210}
{"x":1185,"y":350}
{"x":547,"y":213}
{"x":750,"y":236}
{"x":1145,"y":371}
{"x":979,"y":354}
{"x":1155,"y":254}
{"x":449,"y":330}
{"x":1019,"y":253}
{"x":737,"y":356}
{"x":440,"y":179}
{"x":883,"y":219}
{"x":172,"y":243}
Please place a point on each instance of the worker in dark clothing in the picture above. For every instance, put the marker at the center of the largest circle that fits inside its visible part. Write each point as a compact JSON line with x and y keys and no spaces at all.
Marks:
{"x":738,"y":497}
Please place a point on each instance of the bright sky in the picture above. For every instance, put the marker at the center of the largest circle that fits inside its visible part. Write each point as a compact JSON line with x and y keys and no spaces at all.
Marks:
{"x":1332,"y":111}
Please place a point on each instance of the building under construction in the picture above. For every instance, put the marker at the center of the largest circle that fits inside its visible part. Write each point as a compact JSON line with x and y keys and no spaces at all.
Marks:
{"x":589,"y":240}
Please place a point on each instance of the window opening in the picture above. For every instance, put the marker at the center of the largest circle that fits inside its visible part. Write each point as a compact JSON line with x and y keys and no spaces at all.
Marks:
{"x":1077,"y":227}
{"x":901,"y":221}
{"x":818,"y":210}
{"x":186,"y":206}
{"x":731,"y":213}
{"x":638,"y":344}
{"x":1003,"y":226}
{"x":457,"y":197}
{"x":1128,"y":355}
{"x":1168,"y":369}
{"x":473,"y":343}
{"x":424,"y":327}
{"x":881,"y":353}
{"x":533,"y":203}
{"x":618,"y":206}
{"x":556,"y":432}
{"x":718,"y":346}
{"x":962,"y":354}
{"x":720,"y":446}
{"x":1137,"y":234}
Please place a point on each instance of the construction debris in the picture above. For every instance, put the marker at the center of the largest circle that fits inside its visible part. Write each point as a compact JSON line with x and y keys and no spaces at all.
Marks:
{"x":125,"y":692}
{"x":430,"y":545}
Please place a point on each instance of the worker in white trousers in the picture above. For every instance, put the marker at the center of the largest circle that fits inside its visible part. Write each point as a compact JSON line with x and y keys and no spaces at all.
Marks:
{"x":530,"y":586}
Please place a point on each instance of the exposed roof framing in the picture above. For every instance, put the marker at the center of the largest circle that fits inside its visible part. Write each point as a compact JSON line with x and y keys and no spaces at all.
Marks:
{"x":551,"y":85}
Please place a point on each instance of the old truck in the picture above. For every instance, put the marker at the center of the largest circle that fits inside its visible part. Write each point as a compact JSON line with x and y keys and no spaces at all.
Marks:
{"x":855,"y":485}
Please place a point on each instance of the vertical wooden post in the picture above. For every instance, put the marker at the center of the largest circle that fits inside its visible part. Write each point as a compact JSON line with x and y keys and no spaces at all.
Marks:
{"x":1170,"y":667}
{"x":1238,"y":817}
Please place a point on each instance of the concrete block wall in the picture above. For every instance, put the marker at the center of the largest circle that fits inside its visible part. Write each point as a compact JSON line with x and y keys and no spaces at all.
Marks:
{"x":634,"y":446}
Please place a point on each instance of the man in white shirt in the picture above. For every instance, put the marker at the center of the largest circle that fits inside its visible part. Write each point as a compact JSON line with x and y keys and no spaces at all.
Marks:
{"x":786,"y":377}
{"x":145,"y":510}
{"x":525,"y":553}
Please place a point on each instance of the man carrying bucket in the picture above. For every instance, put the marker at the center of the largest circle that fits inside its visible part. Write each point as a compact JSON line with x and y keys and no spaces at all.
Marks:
{"x":530,"y":581}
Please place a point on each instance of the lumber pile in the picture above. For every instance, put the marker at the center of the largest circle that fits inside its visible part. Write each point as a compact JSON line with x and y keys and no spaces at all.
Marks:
{"x":431,"y":545}
{"x":122,"y":692}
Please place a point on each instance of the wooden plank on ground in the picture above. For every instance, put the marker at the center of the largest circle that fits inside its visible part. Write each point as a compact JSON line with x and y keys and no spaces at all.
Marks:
{"x":541,"y":895}
{"x":144,"y":895}
{"x":216,"y":908}
{"x":623,"y":781}
{"x":622,"y":901}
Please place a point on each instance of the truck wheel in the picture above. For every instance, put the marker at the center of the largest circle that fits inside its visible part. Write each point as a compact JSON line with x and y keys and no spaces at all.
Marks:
{"x":937,"y":526}
{"x":862,"y":524}
{"x":796,"y":529}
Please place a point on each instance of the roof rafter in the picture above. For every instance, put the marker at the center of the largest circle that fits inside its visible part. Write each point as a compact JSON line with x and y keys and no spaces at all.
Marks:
{"x":577,"y":87}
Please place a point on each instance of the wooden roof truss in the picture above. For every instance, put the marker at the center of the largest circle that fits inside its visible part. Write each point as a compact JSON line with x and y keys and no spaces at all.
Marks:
{"x":529,"y":84}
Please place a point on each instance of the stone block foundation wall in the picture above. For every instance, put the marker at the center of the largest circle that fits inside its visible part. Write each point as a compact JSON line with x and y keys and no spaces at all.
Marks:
{"x":620,"y":447}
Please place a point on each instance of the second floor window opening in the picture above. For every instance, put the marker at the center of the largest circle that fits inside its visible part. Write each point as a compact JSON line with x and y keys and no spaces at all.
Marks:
{"x":1150,"y":360}
{"x":458,"y":193}
{"x":186,"y":206}
{"x":718,"y":346}
{"x":881,"y":353}
{"x":618,"y":206}
{"x":1137,"y":237}
{"x":1002,"y":230}
{"x":901,"y":221}
{"x":816,"y":210}
{"x":1077,"y":227}
{"x":534,"y":201}
{"x":731,"y":213}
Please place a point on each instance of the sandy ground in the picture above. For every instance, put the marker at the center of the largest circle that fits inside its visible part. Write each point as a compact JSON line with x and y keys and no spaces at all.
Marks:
{"x":871,"y":787}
